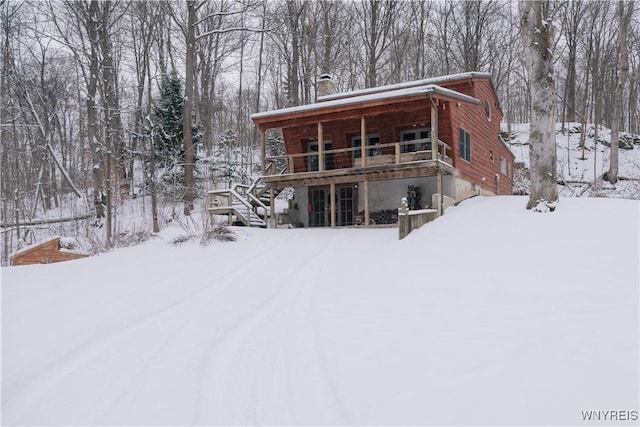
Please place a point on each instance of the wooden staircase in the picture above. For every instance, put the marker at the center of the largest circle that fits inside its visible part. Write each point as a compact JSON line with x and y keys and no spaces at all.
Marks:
{"x":248,"y":205}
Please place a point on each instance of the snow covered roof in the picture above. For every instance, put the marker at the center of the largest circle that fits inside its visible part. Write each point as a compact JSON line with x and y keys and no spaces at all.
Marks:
{"x":66,"y":244}
{"x":416,"y":83}
{"x":33,"y":246}
{"x":369,"y":97}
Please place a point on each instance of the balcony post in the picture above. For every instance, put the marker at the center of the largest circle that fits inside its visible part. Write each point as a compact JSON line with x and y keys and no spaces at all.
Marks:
{"x":320,"y":148}
{"x":366,"y":202}
{"x":290,"y":164}
{"x":434,"y":129}
{"x":332,"y":202}
{"x":272,"y":206}
{"x":363,"y":141}
{"x":263,"y":152}
{"x":441,"y":199}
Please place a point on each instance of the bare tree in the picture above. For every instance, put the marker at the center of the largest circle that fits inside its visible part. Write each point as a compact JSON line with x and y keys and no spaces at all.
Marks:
{"x":473,"y":33}
{"x":190,"y":69}
{"x":375,"y":21}
{"x":571,"y":25}
{"x":191,"y":30}
{"x":624,"y":18}
{"x":145,"y":27}
{"x":211,"y":54}
{"x":537,"y":39}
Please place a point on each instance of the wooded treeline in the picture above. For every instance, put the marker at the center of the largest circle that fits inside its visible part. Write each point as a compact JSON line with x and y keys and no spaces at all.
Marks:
{"x":83,"y":110}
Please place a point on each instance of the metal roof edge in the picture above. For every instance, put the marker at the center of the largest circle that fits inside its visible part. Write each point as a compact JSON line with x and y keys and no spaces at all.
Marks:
{"x":397,"y":93}
{"x":415,"y":83}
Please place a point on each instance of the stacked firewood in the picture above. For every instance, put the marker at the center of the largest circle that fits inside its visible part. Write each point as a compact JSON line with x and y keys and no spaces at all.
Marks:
{"x":386,"y":216}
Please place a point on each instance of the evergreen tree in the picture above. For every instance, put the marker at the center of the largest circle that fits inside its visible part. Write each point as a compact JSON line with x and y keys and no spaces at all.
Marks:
{"x":168,"y":122}
{"x":230,"y":159}
{"x":168,"y":130}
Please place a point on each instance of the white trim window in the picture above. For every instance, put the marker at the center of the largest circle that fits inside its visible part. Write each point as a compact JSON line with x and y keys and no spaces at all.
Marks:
{"x":503,"y":166}
{"x":423,"y":135}
{"x":312,"y":160}
{"x":372,"y":140}
{"x":465,"y":145}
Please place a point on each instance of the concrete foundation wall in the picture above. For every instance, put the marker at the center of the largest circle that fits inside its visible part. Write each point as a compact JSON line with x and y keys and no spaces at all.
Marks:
{"x":466,"y":189}
{"x":385,"y":194}
{"x":388,"y":194}
{"x":302,"y":199}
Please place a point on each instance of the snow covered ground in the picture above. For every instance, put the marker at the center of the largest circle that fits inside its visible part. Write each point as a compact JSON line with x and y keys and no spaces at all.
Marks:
{"x":577,"y":167}
{"x":491,"y":314}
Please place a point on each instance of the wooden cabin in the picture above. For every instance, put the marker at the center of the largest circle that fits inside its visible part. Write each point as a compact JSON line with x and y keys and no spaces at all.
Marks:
{"x":420,"y":140}
{"x":53,"y":250}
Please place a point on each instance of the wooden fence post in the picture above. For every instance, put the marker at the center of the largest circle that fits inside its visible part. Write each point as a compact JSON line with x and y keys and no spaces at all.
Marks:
{"x":403,"y":219}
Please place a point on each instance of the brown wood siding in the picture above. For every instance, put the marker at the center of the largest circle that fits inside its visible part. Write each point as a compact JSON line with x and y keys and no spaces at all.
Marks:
{"x":463,"y":86}
{"x":340,"y":133}
{"x":46,"y":253}
{"x":389,"y":120}
{"x":484,"y":139}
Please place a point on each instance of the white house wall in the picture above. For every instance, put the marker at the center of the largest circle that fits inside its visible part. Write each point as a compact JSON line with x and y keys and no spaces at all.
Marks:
{"x":302,"y":199}
{"x":389,"y":194}
{"x":385,"y":194}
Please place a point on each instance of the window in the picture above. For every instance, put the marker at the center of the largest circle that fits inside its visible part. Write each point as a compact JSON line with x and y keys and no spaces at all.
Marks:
{"x":346,"y":205}
{"x":423,"y":136}
{"x":503,"y":166}
{"x":329,"y":158}
{"x":465,"y":145}
{"x":318,"y":214}
{"x":372,"y":140}
{"x":487,"y":110}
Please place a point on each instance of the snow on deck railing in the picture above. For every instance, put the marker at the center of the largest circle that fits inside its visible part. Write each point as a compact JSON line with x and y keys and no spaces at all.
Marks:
{"x":374,"y":155}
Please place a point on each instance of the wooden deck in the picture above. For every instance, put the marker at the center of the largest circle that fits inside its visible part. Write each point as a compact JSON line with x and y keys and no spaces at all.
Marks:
{"x":357,"y":174}
{"x":394,"y":164}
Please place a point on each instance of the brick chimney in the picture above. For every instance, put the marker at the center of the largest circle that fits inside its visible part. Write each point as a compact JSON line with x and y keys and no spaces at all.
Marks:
{"x":325,"y":86}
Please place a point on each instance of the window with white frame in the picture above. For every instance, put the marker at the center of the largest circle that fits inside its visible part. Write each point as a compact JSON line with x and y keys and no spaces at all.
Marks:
{"x":465,"y":145}
{"x":372,"y":141}
{"x":313,"y":159}
{"x":503,"y":166}
{"x":422,"y":136}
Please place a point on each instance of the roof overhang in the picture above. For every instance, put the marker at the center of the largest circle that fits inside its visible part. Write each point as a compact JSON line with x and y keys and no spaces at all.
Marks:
{"x":405,"y":85}
{"x":355,"y":106}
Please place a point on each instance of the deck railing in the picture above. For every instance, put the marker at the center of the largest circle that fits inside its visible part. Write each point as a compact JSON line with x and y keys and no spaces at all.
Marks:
{"x":374,"y":155}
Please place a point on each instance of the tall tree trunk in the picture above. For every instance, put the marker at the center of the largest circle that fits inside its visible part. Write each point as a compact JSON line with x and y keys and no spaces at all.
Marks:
{"x":254,"y":138}
{"x":294,"y":11}
{"x":152,"y":160}
{"x":537,"y":39}
{"x":372,"y":63}
{"x":190,"y":68}
{"x":618,"y":102}
{"x":92,"y":118}
{"x":111,"y":112}
{"x":571,"y":25}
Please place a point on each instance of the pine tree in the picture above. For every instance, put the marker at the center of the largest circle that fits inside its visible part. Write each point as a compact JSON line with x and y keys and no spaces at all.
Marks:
{"x":168,"y":130}
{"x":230,"y":158}
{"x":168,"y":122}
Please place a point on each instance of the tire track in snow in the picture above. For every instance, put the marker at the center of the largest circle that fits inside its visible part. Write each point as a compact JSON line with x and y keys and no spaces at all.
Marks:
{"x":344,"y":413}
{"x":44,"y":381}
{"x":221,"y":352}
{"x":225,"y":373}
{"x":304,"y":307}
